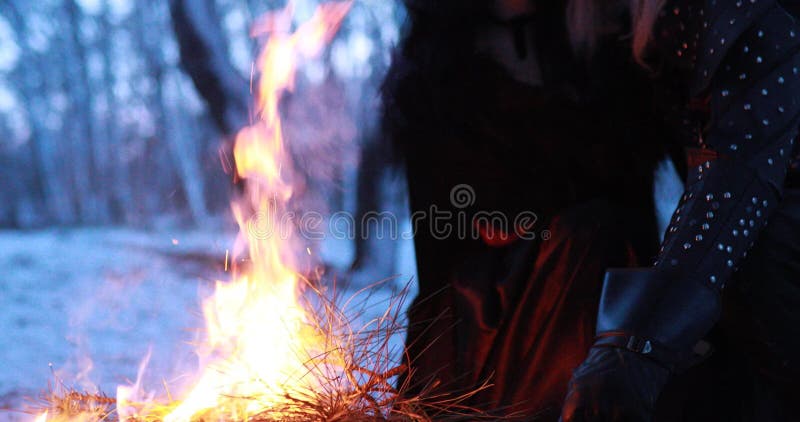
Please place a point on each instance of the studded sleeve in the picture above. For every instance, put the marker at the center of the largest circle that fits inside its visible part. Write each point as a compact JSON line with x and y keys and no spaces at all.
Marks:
{"x":747,"y":61}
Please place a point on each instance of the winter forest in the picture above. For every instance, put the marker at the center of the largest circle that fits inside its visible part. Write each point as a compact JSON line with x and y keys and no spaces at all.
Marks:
{"x":117,"y":119}
{"x":120,"y":111}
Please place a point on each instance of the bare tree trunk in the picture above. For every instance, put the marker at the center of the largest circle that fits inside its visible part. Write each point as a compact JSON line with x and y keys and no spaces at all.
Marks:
{"x":173,"y":122}
{"x":89,"y":173}
{"x":204,"y":57}
{"x":184,"y":145}
{"x":376,"y":161}
{"x":116,"y":171}
{"x":31,"y":84}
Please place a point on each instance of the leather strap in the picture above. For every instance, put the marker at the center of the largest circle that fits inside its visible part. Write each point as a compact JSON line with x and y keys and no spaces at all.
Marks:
{"x":644,"y":346}
{"x":654,"y":350}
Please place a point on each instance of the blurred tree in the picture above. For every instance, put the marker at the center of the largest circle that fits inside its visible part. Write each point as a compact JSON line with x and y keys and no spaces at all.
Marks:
{"x":122,"y":111}
{"x":48,"y":188}
{"x":88,"y":173}
{"x":204,"y":56}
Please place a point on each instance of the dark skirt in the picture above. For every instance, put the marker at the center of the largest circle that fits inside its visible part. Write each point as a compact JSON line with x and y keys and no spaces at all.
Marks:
{"x":519,"y":317}
{"x":522,"y":317}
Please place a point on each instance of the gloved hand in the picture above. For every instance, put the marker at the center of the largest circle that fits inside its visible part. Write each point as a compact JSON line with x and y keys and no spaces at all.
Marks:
{"x":648,"y":325}
{"x":614,"y":384}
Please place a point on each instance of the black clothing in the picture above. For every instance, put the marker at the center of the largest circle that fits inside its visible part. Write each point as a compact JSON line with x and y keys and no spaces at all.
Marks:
{"x":744,"y":56}
{"x":725,"y":82}
{"x":753,"y":373}
{"x":521,"y":315}
{"x":746,"y":61}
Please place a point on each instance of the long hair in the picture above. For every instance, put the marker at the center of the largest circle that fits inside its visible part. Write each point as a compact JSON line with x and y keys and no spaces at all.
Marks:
{"x":588,"y":20}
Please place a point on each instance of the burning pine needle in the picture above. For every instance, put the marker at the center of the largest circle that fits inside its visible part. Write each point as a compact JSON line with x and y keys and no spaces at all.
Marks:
{"x":361,"y":387}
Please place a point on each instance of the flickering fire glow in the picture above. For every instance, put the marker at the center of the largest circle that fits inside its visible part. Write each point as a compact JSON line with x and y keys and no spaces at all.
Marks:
{"x":276,"y":346}
{"x":261,"y":347}
{"x":260,"y":341}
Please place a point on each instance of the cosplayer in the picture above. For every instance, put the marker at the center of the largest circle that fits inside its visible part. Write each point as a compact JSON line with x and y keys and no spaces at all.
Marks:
{"x":564,"y":109}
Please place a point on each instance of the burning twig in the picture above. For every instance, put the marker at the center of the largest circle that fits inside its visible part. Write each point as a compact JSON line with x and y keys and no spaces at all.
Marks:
{"x":360,"y":388}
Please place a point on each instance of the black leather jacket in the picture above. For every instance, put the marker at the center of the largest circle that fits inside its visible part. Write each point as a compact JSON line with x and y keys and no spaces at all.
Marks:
{"x":736,"y":64}
{"x":743,"y":56}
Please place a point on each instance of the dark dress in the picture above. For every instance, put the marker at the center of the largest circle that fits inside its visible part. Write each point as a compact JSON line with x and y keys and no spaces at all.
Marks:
{"x":580,"y":152}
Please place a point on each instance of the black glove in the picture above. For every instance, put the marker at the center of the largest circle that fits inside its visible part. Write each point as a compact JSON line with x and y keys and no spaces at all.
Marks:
{"x":614,"y":384}
{"x":647,"y":327}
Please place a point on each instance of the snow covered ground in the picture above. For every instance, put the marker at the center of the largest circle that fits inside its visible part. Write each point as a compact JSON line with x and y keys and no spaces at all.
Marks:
{"x":92,"y":302}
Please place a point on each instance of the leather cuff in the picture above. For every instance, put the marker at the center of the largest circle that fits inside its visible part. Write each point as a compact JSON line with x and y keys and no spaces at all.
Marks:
{"x":651,"y":313}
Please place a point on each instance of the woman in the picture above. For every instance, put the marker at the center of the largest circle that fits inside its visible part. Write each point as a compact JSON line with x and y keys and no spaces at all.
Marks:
{"x":563,"y":110}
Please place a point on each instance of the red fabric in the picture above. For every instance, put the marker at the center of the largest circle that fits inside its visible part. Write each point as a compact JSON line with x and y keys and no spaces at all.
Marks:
{"x":496,"y":237}
{"x":699,"y":156}
{"x":526,"y":316}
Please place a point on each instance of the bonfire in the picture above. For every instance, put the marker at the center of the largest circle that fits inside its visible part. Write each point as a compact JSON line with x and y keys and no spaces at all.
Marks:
{"x":277,"y":344}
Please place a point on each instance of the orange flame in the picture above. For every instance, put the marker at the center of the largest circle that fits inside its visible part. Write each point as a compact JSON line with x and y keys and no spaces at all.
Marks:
{"x":258,"y":338}
{"x":261,"y":345}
